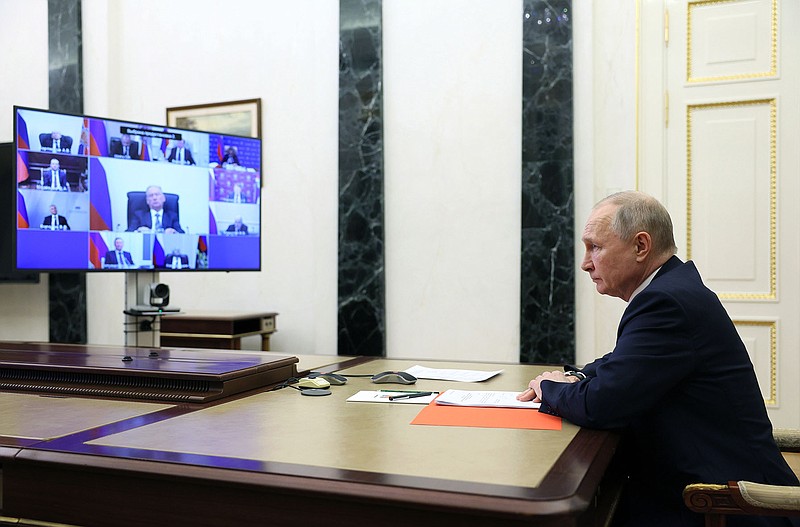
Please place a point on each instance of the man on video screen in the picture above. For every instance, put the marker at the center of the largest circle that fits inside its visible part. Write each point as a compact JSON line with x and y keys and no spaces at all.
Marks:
{"x":155,"y":218}
{"x":54,"y":221}
{"x":118,"y":257}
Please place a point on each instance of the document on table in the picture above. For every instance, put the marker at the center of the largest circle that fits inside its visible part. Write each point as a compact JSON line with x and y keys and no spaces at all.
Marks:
{"x":490,"y":399}
{"x":421,"y":372}
{"x":374,"y":396}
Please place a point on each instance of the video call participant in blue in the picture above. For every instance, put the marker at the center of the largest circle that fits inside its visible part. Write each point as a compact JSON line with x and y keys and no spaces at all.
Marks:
{"x":118,"y":257}
{"x":180,"y":154}
{"x":54,"y":178}
{"x":54,"y":221}
{"x":126,"y":148}
{"x":237,"y":227}
{"x":176,"y":260}
{"x":57,"y":142}
{"x":155,"y":218}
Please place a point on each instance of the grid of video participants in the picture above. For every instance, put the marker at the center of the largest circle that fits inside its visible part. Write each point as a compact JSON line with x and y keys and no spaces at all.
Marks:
{"x":100,"y":194}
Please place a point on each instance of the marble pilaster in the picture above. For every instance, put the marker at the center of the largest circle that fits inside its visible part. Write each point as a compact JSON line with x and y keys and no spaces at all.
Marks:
{"x":547,"y":296}
{"x":67,"y":291}
{"x":361,"y":313}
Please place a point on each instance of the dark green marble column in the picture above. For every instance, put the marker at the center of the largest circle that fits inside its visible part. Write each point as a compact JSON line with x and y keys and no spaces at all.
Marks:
{"x":67,"y":291}
{"x":547,"y":296}
{"x":362,"y":305}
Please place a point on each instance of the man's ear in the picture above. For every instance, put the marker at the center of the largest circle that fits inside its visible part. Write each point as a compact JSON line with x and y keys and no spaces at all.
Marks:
{"x":643,"y":245}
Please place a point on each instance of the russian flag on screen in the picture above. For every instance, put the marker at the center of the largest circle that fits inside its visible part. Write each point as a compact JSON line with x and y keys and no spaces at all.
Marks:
{"x":158,"y":254}
{"x":22,"y":212}
{"x":219,"y":149}
{"x":22,"y":133}
{"x":97,"y":249}
{"x":100,"y":205}
{"x":98,"y":142}
{"x":83,"y":146}
{"x":145,"y":151}
{"x":201,"y":262}
{"x":22,"y":166}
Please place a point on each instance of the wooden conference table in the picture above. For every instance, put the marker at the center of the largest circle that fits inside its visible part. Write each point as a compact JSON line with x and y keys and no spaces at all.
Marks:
{"x":280,"y":458}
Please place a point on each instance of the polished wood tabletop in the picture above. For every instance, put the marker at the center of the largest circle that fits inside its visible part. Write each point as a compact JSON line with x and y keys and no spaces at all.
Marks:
{"x":274,"y":457}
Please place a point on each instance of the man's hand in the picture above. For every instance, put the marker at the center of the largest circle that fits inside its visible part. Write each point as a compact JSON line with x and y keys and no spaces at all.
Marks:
{"x":534,"y":391}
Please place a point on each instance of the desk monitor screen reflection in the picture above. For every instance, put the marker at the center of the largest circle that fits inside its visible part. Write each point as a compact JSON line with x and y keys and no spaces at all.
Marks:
{"x":97,"y":194}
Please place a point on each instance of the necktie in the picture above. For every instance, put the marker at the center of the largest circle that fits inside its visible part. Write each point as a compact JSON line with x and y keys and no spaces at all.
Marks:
{"x":54,"y":222}
{"x":56,"y":182}
{"x":180,"y":155}
{"x":176,"y":262}
{"x":158,"y":221}
{"x":57,"y":145}
{"x":125,"y":150}
{"x":120,"y":259}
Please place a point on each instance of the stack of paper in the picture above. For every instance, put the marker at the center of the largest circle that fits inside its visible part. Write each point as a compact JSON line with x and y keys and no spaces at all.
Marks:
{"x":490,"y":399}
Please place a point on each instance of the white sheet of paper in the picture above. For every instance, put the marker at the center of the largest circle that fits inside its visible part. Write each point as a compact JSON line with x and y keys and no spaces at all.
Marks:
{"x":373,"y":396}
{"x":484,"y":398}
{"x":421,"y":372}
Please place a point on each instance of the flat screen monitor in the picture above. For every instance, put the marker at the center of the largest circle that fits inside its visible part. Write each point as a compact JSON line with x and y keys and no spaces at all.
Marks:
{"x":98,"y":194}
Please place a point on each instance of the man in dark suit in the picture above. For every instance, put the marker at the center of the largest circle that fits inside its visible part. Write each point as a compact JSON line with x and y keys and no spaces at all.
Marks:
{"x":57,"y":142}
{"x":118,"y":258}
{"x":679,"y":382}
{"x":54,"y":177}
{"x":54,"y":221}
{"x":176,"y":260}
{"x":125,"y":148}
{"x":237,"y":227}
{"x":180,"y":154}
{"x":155,"y":218}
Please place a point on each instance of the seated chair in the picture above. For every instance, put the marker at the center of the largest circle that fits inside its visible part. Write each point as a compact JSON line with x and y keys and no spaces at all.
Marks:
{"x":746,"y":497}
{"x":137,"y":201}
{"x":43,"y":180}
{"x":45,"y":141}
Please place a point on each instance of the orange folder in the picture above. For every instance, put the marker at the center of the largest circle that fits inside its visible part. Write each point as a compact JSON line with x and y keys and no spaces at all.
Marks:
{"x":445,"y":415}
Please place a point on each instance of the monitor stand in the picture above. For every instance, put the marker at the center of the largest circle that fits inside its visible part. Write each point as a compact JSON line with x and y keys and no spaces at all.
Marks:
{"x":139,"y":332}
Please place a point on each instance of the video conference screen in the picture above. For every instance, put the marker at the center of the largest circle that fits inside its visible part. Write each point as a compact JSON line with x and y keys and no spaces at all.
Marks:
{"x":98,"y":194}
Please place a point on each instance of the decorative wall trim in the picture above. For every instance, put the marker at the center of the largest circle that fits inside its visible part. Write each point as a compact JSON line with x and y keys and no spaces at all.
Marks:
{"x":772,"y":398}
{"x":734,"y":32}
{"x":691,"y":112}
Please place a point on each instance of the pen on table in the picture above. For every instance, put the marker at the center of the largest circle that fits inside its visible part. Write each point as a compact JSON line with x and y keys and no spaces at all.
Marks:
{"x":409,"y":395}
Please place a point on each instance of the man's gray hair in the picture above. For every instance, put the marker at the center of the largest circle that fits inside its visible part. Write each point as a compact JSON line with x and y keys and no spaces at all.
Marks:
{"x":637,"y":212}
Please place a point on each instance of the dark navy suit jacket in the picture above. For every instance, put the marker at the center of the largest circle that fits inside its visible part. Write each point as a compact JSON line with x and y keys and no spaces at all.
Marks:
{"x":111,"y":257}
{"x":142,"y":218}
{"x":682,"y":386}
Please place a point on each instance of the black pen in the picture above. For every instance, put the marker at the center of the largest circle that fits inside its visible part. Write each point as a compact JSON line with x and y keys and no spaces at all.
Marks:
{"x":409,"y":395}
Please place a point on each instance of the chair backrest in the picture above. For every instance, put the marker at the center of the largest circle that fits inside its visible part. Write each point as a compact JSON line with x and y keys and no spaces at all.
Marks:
{"x":138,"y":201}
{"x":66,"y":141}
